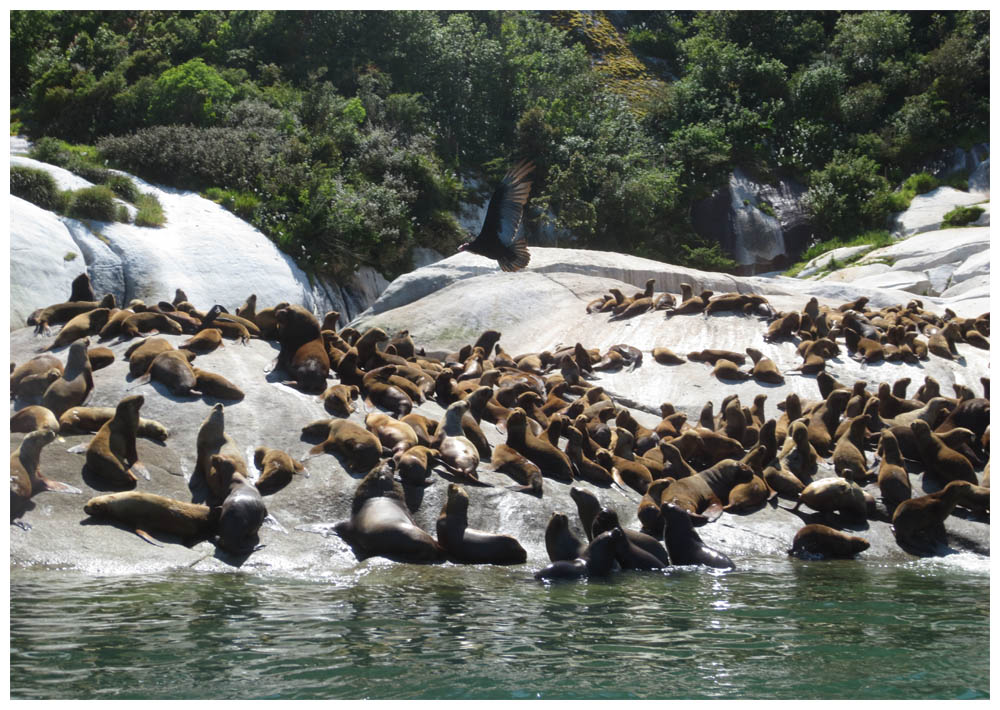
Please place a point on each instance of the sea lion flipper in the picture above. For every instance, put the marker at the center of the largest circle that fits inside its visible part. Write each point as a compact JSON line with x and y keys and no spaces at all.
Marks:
{"x":59,"y":487}
{"x":78,"y":449}
{"x":712,"y":512}
{"x":140,"y":468}
{"x":272,"y":522}
{"x":147,"y":537}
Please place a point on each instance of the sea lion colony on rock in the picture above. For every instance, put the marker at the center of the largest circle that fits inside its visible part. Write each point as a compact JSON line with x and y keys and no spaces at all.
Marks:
{"x":540,"y":399}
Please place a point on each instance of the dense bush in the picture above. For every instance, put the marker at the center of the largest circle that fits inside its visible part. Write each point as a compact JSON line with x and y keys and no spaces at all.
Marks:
{"x":97,"y":202}
{"x":961,"y":216}
{"x":36,"y":186}
{"x":149,"y":211}
{"x":123,"y":186}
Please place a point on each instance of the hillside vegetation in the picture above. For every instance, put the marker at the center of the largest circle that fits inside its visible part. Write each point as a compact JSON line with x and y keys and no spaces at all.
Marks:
{"x":343,"y":135}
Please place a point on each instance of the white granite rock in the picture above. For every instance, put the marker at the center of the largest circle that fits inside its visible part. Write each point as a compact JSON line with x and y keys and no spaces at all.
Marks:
{"x":915,"y":282}
{"x":927,"y":211}
{"x":850,"y":274}
{"x":822,"y":261}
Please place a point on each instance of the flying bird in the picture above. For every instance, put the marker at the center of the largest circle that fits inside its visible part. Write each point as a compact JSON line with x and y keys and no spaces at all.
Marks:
{"x":501,"y":238}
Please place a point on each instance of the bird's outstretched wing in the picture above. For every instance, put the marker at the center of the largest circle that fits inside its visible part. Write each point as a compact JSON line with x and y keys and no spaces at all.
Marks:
{"x":503,"y":216}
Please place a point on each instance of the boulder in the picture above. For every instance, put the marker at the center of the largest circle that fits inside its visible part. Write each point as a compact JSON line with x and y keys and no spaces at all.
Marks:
{"x":927,"y":211}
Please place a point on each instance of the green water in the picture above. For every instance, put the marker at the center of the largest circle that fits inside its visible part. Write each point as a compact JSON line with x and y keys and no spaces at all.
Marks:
{"x":774,"y":629}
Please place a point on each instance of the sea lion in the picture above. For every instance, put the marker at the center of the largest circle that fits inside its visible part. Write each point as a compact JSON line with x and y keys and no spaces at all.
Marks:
{"x":338,"y":399}
{"x":626,"y":473}
{"x":684,"y":545}
{"x":940,"y":460}
{"x":834,"y":494}
{"x":597,"y":560}
{"x":303,"y":353}
{"x":893,"y":480}
{"x":394,"y":435}
{"x":359,"y":448}
{"x":88,"y":420}
{"x":784,"y":326}
{"x":76,"y":384}
{"x":29,"y":380}
{"x":380,"y":524}
{"x":783,"y":482}
{"x":59,"y":313}
{"x":458,"y":454}
{"x":81,"y":289}
{"x":148,"y":512}
{"x":111,"y":454}
{"x":243,"y":510}
{"x":703,"y":494}
{"x":584,"y":468}
{"x":849,"y":459}
{"x":560,"y":542}
{"x":25,"y":477}
{"x":665,"y":356}
{"x":141,"y":354}
{"x":276,"y":469}
{"x":552,"y":462}
{"x":817,"y":540}
{"x":918,"y":523}
{"x":172,"y":369}
{"x":147,"y":321}
{"x":380,"y":392}
{"x":712,"y":356}
{"x":211,"y":384}
{"x":33,"y":418}
{"x":203,"y":342}
{"x":113,"y":327}
{"x":745,"y":497}
{"x":764,"y":369}
{"x":100,"y":358}
{"x":212,"y":439}
{"x":414,"y":464}
{"x":642,"y":551}
{"x":728,"y":370}
{"x":506,"y":460}
{"x":468,"y":545}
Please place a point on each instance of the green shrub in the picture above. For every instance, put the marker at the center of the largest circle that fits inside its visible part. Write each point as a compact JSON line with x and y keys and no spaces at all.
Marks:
{"x":123,"y":186}
{"x":961,"y":216}
{"x":707,"y":257}
{"x":190,"y":93}
{"x":150,"y":212}
{"x":36,"y":186}
{"x":97,"y":202}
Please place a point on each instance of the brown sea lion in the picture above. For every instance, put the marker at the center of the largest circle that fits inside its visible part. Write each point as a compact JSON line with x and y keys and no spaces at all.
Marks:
{"x":414,"y":464}
{"x":148,"y":321}
{"x":712,"y":356}
{"x":25,"y":477}
{"x":212,"y":439}
{"x":59,"y":313}
{"x":214,"y":385}
{"x":81,"y":289}
{"x":748,"y":496}
{"x":552,"y":462}
{"x":380,"y":524}
{"x":360,"y":448}
{"x":625,"y":472}
{"x":703,"y":494}
{"x":849,"y":459}
{"x":470,"y":546}
{"x":33,"y":418}
{"x":649,"y":508}
{"x":76,"y":384}
{"x":893,"y":480}
{"x":817,"y":540}
{"x":783,"y":327}
{"x":88,"y":420}
{"x":506,"y":460}
{"x":918,"y":523}
{"x":457,"y":453}
{"x":584,"y":468}
{"x":172,"y":369}
{"x":560,"y":542}
{"x":203,"y":342}
{"x":642,"y":551}
{"x":113,"y":327}
{"x":834,"y":494}
{"x":764,"y":369}
{"x":338,"y":399}
{"x":276,"y":469}
{"x":665,"y":356}
{"x":303,"y":353}
{"x":783,"y":482}
{"x":100,"y":358}
{"x":148,"y":513}
{"x":30,"y":379}
{"x":684,"y":545}
{"x":394,"y":435}
{"x":141,"y":354}
{"x":940,"y":460}
{"x":111,"y":454}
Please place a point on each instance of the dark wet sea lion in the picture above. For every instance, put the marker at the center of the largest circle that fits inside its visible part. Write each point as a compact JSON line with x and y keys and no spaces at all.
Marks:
{"x":642,"y":551}
{"x":81,"y":289}
{"x":918,"y":522}
{"x":148,"y":512}
{"x":598,"y":560}
{"x":824,"y":541}
{"x":683,"y":543}
{"x":380,"y":524}
{"x":560,"y":542}
{"x":472,"y":546}
{"x":243,"y":510}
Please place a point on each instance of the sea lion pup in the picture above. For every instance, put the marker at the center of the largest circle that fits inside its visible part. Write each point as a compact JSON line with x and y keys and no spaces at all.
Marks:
{"x":303,"y":353}
{"x":212,"y":439}
{"x":360,"y":449}
{"x":597,"y":560}
{"x":552,"y":462}
{"x":276,"y":469}
{"x":560,"y":542}
{"x":684,"y":545}
{"x":394,"y":435}
{"x":666,"y":356}
{"x":506,"y":460}
{"x":849,"y":459}
{"x":414,"y":464}
{"x":243,"y":510}
{"x":918,"y":523}
{"x":703,"y":494}
{"x":213,"y":385}
{"x":468,"y":545}
{"x":111,"y":454}
{"x":642,"y":551}
{"x":30,"y":379}
{"x":695,"y":304}
{"x":584,"y":468}
{"x":893,"y":480}
{"x":76,"y":384}
{"x":764,"y":369}
{"x":940,"y":460}
{"x":817,"y":540}
{"x":25,"y":477}
{"x":33,"y":418}
{"x":380,"y":524}
{"x":834,"y":494}
{"x":784,"y":327}
{"x":88,"y":420}
{"x":149,"y":513}
{"x":203,"y":342}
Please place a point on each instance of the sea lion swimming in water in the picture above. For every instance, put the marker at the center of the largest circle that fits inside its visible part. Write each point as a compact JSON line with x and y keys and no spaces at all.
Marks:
{"x":597,"y":560}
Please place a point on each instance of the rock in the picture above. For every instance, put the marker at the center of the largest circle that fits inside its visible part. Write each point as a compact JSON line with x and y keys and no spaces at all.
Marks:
{"x":979,"y":180}
{"x":915,"y":282}
{"x":927,"y":211}
{"x":840,"y":255}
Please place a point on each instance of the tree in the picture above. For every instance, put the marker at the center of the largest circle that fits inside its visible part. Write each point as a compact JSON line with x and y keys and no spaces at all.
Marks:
{"x":192,"y":93}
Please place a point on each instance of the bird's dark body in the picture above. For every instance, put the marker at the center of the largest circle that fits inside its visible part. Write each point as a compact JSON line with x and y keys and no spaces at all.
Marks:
{"x":500,"y":237}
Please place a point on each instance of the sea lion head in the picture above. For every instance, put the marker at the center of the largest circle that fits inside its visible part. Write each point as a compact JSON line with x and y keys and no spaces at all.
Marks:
{"x":258,"y":457}
{"x":226,"y":468}
{"x":605,"y":520}
{"x":99,"y":506}
{"x":458,"y":499}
